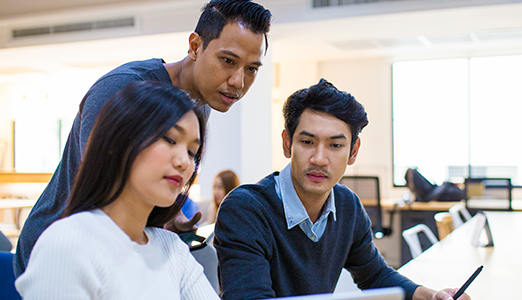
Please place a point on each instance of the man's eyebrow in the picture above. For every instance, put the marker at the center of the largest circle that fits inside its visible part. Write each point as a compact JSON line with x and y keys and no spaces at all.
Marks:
{"x":228,"y":52}
{"x":304,"y":132}
{"x":334,"y":137}
{"x":339,"y":136}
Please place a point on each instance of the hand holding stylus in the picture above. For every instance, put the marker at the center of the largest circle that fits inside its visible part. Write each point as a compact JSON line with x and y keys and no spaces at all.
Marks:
{"x":445,"y":294}
{"x":457,"y":294}
{"x":467,"y":283}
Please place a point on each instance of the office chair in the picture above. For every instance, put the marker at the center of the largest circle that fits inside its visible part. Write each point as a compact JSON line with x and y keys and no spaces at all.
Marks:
{"x":205,"y":253}
{"x":412,"y":238}
{"x":456,"y":211}
{"x":5,"y":244}
{"x":368,"y":190}
{"x":7,"y":279}
{"x":489,"y":188}
{"x":207,"y":257}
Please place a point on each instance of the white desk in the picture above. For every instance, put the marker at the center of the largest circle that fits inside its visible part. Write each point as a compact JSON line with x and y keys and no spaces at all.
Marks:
{"x":450,"y":262}
{"x":16,"y":205}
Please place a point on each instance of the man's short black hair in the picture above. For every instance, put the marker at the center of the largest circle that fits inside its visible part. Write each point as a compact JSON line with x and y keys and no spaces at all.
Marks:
{"x":218,"y":13}
{"x":325,"y":97}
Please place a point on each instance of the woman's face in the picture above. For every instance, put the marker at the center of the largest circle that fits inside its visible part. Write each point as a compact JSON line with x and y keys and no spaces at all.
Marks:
{"x":162,"y":169}
{"x":219,"y":191}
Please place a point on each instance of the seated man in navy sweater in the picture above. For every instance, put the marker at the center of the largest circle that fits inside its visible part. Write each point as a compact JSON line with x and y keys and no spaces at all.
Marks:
{"x":294,"y":231}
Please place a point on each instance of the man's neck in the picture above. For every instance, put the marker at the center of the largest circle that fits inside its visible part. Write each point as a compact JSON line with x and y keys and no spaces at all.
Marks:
{"x":313,"y":203}
{"x":181,"y":74}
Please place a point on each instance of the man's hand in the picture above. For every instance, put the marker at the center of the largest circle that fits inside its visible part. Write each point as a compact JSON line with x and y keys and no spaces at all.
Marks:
{"x":447,"y":294}
{"x":423,"y":293}
{"x":180,"y":223}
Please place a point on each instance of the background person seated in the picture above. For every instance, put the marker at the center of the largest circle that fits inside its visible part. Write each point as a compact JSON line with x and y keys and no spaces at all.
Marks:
{"x":224,"y":182}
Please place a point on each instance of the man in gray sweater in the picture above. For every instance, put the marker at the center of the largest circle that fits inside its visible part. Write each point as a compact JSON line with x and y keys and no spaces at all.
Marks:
{"x":225,"y":52}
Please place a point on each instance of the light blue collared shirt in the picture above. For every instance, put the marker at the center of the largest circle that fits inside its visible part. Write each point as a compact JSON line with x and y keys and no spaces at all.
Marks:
{"x":295,"y":211}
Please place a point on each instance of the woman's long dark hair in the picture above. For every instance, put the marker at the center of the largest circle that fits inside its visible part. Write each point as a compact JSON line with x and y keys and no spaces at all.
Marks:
{"x":134,"y":118}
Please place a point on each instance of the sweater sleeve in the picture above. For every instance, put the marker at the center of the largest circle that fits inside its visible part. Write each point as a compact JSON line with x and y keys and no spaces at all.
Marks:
{"x":243,"y":248}
{"x":61,"y":266}
{"x":365,"y":262}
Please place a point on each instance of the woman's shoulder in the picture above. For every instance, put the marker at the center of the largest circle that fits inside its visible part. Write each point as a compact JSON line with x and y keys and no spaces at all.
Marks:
{"x":72,"y":230}
{"x":68,"y":239}
{"x":165,"y":236}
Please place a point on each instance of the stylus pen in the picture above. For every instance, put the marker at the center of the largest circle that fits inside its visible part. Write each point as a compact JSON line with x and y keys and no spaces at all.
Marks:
{"x":467,"y":283}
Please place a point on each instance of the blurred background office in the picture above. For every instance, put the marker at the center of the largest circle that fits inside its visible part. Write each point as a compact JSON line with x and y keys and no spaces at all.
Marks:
{"x":440,"y":80}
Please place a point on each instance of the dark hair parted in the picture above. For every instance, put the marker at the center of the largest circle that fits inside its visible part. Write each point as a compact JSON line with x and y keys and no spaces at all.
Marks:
{"x":325,"y":97}
{"x":218,"y":13}
{"x":132,"y":119}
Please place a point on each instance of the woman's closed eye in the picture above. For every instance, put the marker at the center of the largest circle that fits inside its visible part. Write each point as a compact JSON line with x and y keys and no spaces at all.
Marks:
{"x":169,"y":140}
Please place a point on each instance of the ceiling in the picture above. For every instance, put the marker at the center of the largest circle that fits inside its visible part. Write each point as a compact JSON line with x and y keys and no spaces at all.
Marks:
{"x":10,"y":8}
{"x":479,"y":30}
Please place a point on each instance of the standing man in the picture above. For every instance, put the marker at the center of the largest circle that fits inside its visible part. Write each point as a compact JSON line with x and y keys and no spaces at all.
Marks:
{"x":225,"y":53}
{"x":293,"y":232}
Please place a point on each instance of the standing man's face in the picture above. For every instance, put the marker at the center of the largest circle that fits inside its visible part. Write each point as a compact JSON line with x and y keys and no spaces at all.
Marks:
{"x":225,"y":70}
{"x":319,"y":153}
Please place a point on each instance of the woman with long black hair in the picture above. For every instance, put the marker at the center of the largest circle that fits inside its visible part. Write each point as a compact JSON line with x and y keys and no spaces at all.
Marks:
{"x":141,"y":159}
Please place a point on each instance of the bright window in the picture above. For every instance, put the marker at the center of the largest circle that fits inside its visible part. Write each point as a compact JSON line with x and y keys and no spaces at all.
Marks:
{"x":455,"y":115}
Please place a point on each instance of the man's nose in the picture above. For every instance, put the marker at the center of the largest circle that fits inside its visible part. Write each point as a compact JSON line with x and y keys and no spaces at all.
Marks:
{"x":319,"y":157}
{"x":237,"y":79}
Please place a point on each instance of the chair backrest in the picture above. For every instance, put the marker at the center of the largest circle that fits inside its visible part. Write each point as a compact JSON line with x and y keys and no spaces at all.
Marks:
{"x":207,"y":257}
{"x":368,"y":190}
{"x":412,"y":238}
{"x":490,"y":188}
{"x":7,"y":279}
{"x":444,"y":222}
{"x":456,"y":212}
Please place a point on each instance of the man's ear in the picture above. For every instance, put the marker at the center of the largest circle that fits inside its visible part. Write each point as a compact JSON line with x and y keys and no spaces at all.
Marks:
{"x":195,"y":45}
{"x":355,"y":151}
{"x":287,"y":143}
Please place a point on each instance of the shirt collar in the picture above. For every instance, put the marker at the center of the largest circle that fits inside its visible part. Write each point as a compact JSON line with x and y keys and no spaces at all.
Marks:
{"x":295,"y":211}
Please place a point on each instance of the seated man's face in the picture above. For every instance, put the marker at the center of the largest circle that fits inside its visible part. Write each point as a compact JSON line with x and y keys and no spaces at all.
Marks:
{"x":320,"y":152}
{"x":227,"y":67}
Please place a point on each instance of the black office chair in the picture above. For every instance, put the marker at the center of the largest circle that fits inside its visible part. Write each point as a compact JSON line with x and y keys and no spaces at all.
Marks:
{"x":489,"y":188}
{"x":368,"y":190}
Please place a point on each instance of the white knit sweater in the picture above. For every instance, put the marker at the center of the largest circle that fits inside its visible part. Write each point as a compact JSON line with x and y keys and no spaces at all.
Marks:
{"x":87,"y":256}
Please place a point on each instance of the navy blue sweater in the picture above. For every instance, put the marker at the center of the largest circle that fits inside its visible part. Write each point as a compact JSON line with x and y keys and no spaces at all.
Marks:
{"x":260,"y":258}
